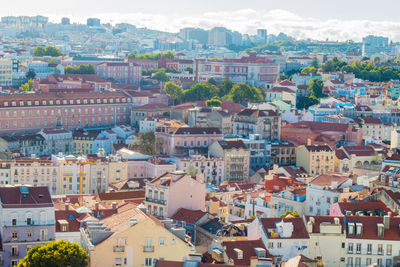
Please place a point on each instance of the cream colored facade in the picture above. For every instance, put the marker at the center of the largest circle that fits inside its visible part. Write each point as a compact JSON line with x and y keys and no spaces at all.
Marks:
{"x":6,"y":72}
{"x":117,"y":171}
{"x":315,"y":160}
{"x":36,"y":173}
{"x":139,"y":245}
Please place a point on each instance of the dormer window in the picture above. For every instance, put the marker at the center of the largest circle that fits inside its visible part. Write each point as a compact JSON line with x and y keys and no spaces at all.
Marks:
{"x":239,"y":253}
{"x":351,"y":228}
{"x":359,"y":230}
{"x":380,"y":229}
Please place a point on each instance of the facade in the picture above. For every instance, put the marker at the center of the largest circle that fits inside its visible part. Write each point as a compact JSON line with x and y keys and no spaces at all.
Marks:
{"x":127,"y":73}
{"x":6,"y":69}
{"x":316,"y":159}
{"x":27,"y":219}
{"x":236,"y":158}
{"x":211,"y":167}
{"x":168,"y":193}
{"x":58,"y":140}
{"x":83,"y":142}
{"x":137,"y":239}
{"x":149,"y":168}
{"x":187,"y":141}
{"x":325,"y":190}
{"x":266,"y":123}
{"x":254,"y":70}
{"x":33,"y":112}
{"x":283,"y":153}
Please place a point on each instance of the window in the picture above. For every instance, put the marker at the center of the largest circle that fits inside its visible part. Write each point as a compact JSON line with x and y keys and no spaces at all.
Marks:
{"x":358,"y":248}
{"x":379,"y":262}
{"x":279,"y":245}
{"x":162,"y":241}
{"x":28,"y":234}
{"x":349,"y":261}
{"x":173,"y":241}
{"x":350,"y":248}
{"x":43,"y":234}
{"x":389,"y":249}
{"x":270,"y":245}
{"x":368,"y":261}
{"x":14,"y":235}
{"x":369,"y":248}
{"x":14,"y":221}
{"x":118,"y":261}
{"x":358,"y":262}
{"x":380,"y":249}
{"x":147,"y":261}
{"x":388,"y":262}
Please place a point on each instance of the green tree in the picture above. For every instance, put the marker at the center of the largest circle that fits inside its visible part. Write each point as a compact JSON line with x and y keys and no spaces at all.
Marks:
{"x":27,"y":87}
{"x":244,"y":92}
{"x":161,"y":76}
{"x":174,"y":91}
{"x":308,"y":70}
{"x":39,"y":51}
{"x":147,"y":143}
{"x":315,"y":88}
{"x":192,"y":171}
{"x":214,"y":102}
{"x":55,"y":253}
{"x":283,"y":77}
{"x":315,"y":63}
{"x":225,"y":87}
{"x":80,"y":69}
{"x":212,"y":81}
{"x":304,"y":102}
{"x":201,"y":91}
{"x":30,"y":75}
{"x":189,"y":69}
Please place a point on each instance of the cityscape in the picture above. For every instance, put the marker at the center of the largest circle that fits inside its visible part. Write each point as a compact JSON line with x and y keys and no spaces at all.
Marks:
{"x":233,"y":139}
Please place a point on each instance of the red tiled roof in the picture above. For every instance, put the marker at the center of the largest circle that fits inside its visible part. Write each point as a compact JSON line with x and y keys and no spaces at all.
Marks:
{"x":230,"y":144}
{"x":122,"y":195}
{"x":197,"y":130}
{"x":360,"y":151}
{"x":70,"y":216}
{"x":372,"y":121}
{"x":299,"y":230}
{"x":189,"y":216}
{"x":15,"y":197}
{"x":363,"y":206}
{"x":247,"y":247}
{"x":370,"y":230}
{"x":319,"y":148}
{"x":327,"y":179}
{"x":340,"y":154}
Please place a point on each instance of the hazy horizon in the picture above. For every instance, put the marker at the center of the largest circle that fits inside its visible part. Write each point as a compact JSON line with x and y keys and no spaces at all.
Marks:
{"x":313,"y":19}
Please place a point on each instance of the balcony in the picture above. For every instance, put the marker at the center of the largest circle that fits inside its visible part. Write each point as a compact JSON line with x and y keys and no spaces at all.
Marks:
{"x":156,"y":200}
{"x":119,"y":249}
{"x":14,"y":254}
{"x":148,"y":248}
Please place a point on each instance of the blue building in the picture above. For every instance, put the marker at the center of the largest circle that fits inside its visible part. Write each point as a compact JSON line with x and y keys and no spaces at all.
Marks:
{"x":27,"y":220}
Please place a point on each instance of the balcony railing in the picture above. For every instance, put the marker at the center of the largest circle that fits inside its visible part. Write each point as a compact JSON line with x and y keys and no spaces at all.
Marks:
{"x":156,"y":200}
{"x":14,"y":254}
{"x":148,"y":248}
{"x":119,"y":249}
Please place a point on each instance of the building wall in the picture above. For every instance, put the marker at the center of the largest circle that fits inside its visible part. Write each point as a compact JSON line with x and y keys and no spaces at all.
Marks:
{"x":174,"y":249}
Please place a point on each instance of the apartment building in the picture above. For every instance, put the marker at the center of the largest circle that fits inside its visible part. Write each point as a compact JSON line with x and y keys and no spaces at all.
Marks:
{"x":127,"y":73}
{"x":211,"y":167}
{"x":27,"y":220}
{"x":315,"y":159}
{"x":172,"y":191}
{"x":252,"y":69}
{"x":236,"y":158}
{"x":186,"y":141}
{"x":266,"y":123}
{"x":33,"y":112}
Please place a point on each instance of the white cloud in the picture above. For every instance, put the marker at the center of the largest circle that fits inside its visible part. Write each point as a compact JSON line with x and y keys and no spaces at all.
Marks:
{"x":275,"y":21}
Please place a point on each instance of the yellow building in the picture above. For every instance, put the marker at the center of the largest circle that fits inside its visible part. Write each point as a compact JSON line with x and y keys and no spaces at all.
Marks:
{"x":315,"y":159}
{"x":83,"y":142}
{"x":216,"y":207}
{"x":131,"y":238}
{"x":117,"y":171}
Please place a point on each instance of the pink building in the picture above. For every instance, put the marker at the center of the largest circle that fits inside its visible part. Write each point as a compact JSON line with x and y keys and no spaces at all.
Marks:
{"x":255,"y":70}
{"x":128,"y":73}
{"x":173,"y":191}
{"x":69,"y":82}
{"x":33,"y":112}
{"x":149,"y":168}
{"x":146,"y":64}
{"x":186,"y":141}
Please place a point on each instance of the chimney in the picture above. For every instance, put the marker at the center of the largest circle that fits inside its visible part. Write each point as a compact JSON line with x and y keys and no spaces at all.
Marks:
{"x":96,"y":205}
{"x":66,"y":205}
{"x":308,"y":142}
{"x":386,"y":221}
{"x":310,"y":224}
{"x":114,"y":205}
{"x":336,"y":220}
{"x":348,"y":213}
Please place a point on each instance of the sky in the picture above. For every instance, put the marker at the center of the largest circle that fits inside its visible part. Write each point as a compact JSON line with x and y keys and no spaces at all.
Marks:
{"x":316,"y":19}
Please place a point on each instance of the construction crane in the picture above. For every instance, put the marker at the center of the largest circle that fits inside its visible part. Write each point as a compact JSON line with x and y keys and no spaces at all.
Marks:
{"x":82,"y":165}
{"x":386,"y":92}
